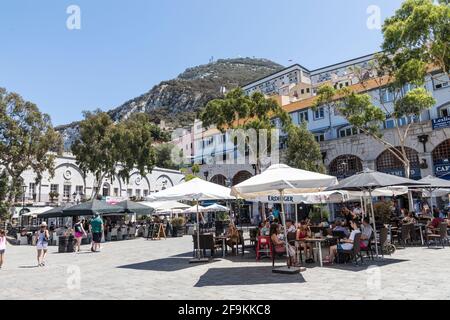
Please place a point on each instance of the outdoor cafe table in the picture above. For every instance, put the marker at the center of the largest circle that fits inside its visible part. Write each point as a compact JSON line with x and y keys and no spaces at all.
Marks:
{"x":224,"y":244}
{"x":318,"y":242}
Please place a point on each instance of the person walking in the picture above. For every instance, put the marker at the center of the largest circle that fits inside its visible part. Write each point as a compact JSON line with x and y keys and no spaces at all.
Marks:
{"x":79,"y":234}
{"x":42,"y":238}
{"x":2,"y":247}
{"x":96,"y":227}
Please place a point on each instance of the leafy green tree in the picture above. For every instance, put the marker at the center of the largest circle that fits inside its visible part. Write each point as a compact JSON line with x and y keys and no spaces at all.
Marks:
{"x":419,"y":31}
{"x":240,"y":111}
{"x":303,"y":151}
{"x":107,"y":149}
{"x":416,"y":39}
{"x":4,"y":205}
{"x":164,"y":156}
{"x":195,"y":169}
{"x":27,"y":141}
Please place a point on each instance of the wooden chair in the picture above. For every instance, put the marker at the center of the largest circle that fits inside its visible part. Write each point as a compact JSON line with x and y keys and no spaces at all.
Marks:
{"x":369,"y":249}
{"x":206,"y":243}
{"x":441,"y":236}
{"x":292,"y":237}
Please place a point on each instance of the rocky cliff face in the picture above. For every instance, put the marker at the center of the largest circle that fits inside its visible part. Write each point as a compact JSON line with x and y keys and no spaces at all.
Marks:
{"x":177,"y":101}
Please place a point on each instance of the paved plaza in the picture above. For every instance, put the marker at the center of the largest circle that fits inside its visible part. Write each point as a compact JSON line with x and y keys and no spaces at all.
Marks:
{"x":142,"y":269}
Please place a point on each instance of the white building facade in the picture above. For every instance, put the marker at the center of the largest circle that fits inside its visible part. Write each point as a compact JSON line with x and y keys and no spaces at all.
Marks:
{"x":68,"y":185}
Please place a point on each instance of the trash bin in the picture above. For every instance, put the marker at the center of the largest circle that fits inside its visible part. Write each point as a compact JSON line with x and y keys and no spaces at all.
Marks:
{"x":62,"y":246}
{"x":70,"y":244}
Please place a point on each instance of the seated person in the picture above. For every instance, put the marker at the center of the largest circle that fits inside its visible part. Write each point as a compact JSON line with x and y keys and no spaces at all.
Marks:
{"x":290,"y":226}
{"x":367,"y":231}
{"x":232,"y":236}
{"x":324,"y":223}
{"x":346,"y":244}
{"x":265,"y":230}
{"x":434,"y":224}
{"x":341,"y":228}
{"x":280,"y":245}
{"x":304,"y":232}
{"x":409,"y":218}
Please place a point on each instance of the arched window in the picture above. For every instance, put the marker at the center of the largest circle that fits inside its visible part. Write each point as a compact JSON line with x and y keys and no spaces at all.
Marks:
{"x":345,"y":166}
{"x":241,"y":176}
{"x":220,"y":180}
{"x":441,"y":160}
{"x":387,"y":162}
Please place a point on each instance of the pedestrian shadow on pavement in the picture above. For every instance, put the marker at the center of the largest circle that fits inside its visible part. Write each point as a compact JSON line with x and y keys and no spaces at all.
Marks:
{"x":350,"y":266}
{"x":245,"y":276}
{"x":165,"y":265}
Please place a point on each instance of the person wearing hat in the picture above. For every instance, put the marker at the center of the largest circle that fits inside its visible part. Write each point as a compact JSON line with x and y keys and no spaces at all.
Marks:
{"x":42,"y":238}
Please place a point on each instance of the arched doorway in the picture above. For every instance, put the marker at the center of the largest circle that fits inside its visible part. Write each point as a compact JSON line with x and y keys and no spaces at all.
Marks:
{"x":219,"y":179}
{"x":345,"y":166}
{"x":388,"y":163}
{"x":241,"y":176}
{"x":106,"y":189}
{"x":441,"y":160}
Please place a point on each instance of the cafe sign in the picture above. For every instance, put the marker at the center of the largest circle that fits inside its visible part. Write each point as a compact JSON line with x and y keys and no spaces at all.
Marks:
{"x":441,"y":123}
{"x":442,"y":171}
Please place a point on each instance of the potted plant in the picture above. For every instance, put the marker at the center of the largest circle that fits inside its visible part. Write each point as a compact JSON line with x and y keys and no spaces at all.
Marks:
{"x":178,"y":226}
{"x":318,"y":213}
{"x":382,"y":212}
{"x":222,"y":221}
{"x":53,"y":196}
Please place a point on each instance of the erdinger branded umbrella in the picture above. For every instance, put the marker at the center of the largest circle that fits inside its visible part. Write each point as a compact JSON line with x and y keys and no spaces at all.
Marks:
{"x":195,"y":190}
{"x":284,"y":180}
{"x":370,"y":180}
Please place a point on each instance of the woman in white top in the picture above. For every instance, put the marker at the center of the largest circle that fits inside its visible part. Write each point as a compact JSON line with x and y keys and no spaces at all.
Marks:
{"x":42,"y":237}
{"x":2,"y":247}
{"x":346,"y":244}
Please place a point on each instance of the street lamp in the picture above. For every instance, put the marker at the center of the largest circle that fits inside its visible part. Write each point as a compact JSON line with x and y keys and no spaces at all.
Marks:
{"x":24,"y":190}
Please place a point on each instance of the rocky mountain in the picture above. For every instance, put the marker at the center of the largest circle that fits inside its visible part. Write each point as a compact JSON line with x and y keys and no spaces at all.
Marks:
{"x":177,"y":101}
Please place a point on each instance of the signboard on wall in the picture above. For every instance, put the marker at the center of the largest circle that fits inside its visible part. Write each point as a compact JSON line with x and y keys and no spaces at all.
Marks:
{"x":414,"y":173}
{"x":441,"y":123}
{"x":442,"y":171}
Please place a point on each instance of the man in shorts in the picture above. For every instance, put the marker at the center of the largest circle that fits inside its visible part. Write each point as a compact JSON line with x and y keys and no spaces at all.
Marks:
{"x":96,"y":228}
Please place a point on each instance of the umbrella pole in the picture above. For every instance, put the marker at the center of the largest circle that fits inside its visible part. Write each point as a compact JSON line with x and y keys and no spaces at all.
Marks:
{"x":283,"y":221}
{"x":198,"y":234}
{"x":374,"y":224}
{"x":296,"y":214}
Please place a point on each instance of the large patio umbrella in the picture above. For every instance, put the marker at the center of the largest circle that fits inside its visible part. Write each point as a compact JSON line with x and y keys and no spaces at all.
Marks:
{"x":284,"y":180}
{"x":91,"y":208}
{"x":195,"y":208}
{"x":195,"y":190}
{"x":434,"y":184}
{"x":368,"y":181}
{"x":129,"y":206}
{"x":217,"y":208}
{"x":56,"y":212}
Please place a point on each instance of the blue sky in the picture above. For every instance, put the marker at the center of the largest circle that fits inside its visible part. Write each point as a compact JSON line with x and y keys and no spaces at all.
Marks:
{"x":126,"y":47}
